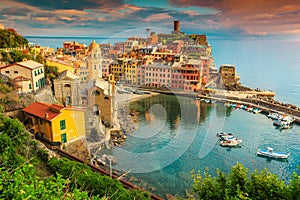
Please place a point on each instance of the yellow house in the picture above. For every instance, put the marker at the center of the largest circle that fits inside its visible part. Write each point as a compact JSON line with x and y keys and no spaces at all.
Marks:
{"x":124,"y":70}
{"x":55,"y":124}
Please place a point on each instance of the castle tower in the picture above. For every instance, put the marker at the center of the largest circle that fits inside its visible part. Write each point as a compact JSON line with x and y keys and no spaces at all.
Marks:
{"x":94,"y":61}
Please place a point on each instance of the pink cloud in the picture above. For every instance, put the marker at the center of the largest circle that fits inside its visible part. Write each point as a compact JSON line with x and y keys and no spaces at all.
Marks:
{"x":157,"y":17}
{"x":263,"y":16}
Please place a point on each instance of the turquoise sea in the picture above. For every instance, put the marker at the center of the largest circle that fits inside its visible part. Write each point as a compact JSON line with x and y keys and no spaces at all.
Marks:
{"x":178,"y":134}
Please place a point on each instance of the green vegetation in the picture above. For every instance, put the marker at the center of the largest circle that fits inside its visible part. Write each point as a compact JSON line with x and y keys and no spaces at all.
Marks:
{"x":25,"y":172}
{"x":51,"y":72}
{"x":239,"y":185}
{"x":10,"y":39}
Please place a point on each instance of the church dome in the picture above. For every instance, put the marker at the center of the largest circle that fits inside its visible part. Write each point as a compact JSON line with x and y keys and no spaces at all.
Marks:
{"x":93,"y":46}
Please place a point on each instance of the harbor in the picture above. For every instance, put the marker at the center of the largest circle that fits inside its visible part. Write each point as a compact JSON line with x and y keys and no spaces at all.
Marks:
{"x":201,"y":121}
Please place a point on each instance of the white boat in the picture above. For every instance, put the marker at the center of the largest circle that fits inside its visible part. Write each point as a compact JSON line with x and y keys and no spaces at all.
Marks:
{"x":287,"y":119}
{"x":224,"y":134}
{"x":270,"y":153}
{"x":256,"y":110}
{"x":274,"y":116}
{"x":230,"y":143}
{"x":281,"y":124}
{"x":207,"y":100}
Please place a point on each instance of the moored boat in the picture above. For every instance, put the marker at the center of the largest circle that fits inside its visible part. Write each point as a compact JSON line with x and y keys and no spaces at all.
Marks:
{"x":274,"y":116}
{"x":230,"y":143}
{"x":281,"y":124}
{"x":256,"y":110}
{"x":270,"y":153}
{"x":224,"y":134}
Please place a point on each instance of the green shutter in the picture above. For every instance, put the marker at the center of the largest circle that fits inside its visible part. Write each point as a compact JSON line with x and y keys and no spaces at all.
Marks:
{"x":64,"y":138}
{"x":30,"y":87}
{"x":62,"y":124}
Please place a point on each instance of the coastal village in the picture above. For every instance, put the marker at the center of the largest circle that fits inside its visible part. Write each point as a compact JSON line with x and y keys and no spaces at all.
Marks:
{"x":81,"y":109}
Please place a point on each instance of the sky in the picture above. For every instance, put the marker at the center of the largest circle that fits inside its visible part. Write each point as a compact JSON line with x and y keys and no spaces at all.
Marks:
{"x":218,"y":18}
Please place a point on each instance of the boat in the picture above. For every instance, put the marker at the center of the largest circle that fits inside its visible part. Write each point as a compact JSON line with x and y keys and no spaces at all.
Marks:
{"x":223,"y":134}
{"x":249,"y":109}
{"x":287,"y":119}
{"x":270,"y":153}
{"x":274,"y":116}
{"x":227,"y":104}
{"x":281,"y":124}
{"x":256,"y":110}
{"x":233,"y":105}
{"x":230,"y":143}
{"x":213,"y":101}
{"x":241,"y":106}
{"x":207,"y":100}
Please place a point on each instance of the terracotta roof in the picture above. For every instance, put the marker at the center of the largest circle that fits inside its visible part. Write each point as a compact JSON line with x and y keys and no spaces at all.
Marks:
{"x":30,"y":64}
{"x":40,"y":109}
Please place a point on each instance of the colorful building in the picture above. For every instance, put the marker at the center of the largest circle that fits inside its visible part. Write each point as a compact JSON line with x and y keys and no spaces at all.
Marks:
{"x":67,"y":88}
{"x":101,"y":101}
{"x":124,"y":70}
{"x":27,"y":76}
{"x":228,"y":76}
{"x":55,"y":124}
{"x":94,"y":61}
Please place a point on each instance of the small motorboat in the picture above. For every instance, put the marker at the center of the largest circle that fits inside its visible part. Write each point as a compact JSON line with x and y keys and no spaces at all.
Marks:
{"x":256,"y":110}
{"x":213,"y":101}
{"x":233,"y":105}
{"x":230,"y":143}
{"x":281,"y":124}
{"x":287,"y":119}
{"x":274,"y":116}
{"x":249,"y":109}
{"x":270,"y":153}
{"x":207,"y":100}
{"x":224,"y":134}
{"x":227,"y":104}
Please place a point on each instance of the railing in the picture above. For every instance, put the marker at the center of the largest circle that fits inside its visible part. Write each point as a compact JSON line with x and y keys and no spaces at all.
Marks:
{"x":126,"y":184}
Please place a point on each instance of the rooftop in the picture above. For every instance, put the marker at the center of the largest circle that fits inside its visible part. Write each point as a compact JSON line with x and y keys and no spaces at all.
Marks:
{"x":40,"y":110}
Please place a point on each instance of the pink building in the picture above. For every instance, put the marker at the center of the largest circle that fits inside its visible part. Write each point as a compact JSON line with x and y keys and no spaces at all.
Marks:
{"x":105,"y":67}
{"x":157,"y":74}
{"x":205,"y":63}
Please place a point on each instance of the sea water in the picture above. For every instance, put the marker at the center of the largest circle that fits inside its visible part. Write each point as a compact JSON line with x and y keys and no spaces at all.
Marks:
{"x":184,"y":130}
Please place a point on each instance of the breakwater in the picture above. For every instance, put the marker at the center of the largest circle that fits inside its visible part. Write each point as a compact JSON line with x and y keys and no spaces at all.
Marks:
{"x":266,"y":104}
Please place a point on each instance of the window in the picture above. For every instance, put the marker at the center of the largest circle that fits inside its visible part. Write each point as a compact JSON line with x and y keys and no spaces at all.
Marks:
{"x":64,"y":138}
{"x":16,"y":72}
{"x":62,"y":124}
{"x":7,"y":72}
{"x":30,"y":86}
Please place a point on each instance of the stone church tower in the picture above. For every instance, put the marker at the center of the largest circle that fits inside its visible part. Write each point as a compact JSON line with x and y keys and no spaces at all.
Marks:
{"x":94,"y":61}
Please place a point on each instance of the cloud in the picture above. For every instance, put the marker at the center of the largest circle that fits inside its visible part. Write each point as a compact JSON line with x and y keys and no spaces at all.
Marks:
{"x":16,"y":11}
{"x":157,"y":17}
{"x":254,"y":17}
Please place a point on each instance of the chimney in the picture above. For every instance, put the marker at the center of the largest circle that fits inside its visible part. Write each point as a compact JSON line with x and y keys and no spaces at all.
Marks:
{"x":46,"y":115}
{"x":177,"y":26}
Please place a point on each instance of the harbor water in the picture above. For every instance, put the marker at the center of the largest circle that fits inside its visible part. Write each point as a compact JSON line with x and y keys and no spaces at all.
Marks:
{"x":184,"y":130}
